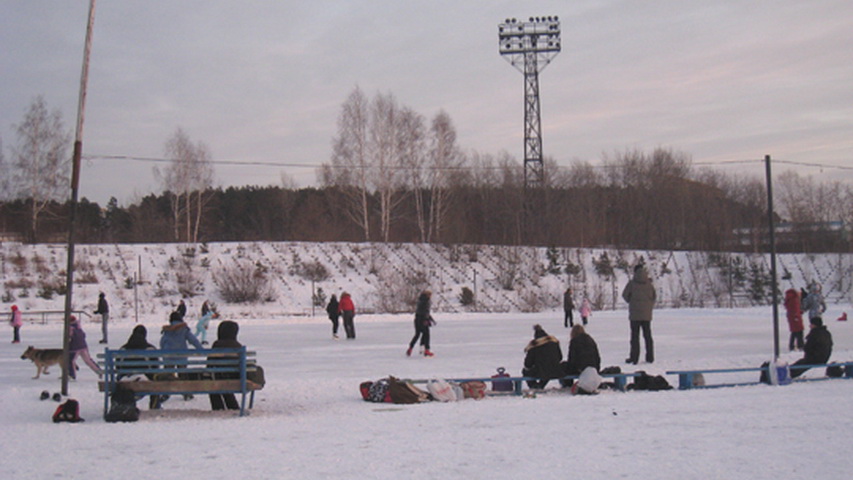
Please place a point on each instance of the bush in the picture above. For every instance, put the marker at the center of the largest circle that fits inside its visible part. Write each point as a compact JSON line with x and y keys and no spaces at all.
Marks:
{"x":467,"y":297}
{"x":243,"y":282}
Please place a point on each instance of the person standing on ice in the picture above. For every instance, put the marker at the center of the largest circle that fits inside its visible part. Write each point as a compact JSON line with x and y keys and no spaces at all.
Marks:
{"x":104,"y":311}
{"x":813,"y":302}
{"x":542,"y":358}
{"x":334,"y":315}
{"x":640,"y":295}
{"x":794,"y":312}
{"x":586,"y":310}
{"x":423,"y":320}
{"x":15,"y":322}
{"x":347,"y":310}
{"x":568,"y":306}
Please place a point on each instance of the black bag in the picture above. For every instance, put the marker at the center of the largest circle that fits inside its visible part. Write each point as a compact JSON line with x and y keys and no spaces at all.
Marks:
{"x":834,"y":370}
{"x":68,"y":412}
{"x":645,"y":381}
{"x":122,"y":406}
{"x":256,"y":375}
{"x":122,"y":412}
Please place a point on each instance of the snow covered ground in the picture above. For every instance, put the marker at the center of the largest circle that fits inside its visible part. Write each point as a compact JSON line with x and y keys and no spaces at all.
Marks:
{"x":310,"y":422}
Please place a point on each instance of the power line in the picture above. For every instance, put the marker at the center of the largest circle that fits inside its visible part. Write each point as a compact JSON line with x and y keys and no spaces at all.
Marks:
{"x":451,"y":168}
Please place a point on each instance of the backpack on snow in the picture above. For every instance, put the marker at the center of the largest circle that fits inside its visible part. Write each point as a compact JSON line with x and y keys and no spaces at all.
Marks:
{"x":68,"y":412}
{"x":404,"y":392}
{"x":376,"y":391}
{"x":644,"y":381}
{"x":122,"y":406}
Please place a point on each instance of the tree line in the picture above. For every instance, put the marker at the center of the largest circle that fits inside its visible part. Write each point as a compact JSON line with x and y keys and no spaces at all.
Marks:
{"x":395,"y":176}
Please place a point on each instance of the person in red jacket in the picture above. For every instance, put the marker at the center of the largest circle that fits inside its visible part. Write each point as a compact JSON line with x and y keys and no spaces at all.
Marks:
{"x":347,"y":310}
{"x":794,"y":311}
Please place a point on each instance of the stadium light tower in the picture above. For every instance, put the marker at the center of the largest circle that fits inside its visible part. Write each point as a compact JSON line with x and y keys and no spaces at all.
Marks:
{"x":530,"y":47}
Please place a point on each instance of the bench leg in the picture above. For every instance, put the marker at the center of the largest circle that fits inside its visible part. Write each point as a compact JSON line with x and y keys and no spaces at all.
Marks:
{"x":685,"y":381}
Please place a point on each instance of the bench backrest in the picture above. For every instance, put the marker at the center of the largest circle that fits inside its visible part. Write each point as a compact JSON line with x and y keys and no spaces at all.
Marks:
{"x":180,"y":362}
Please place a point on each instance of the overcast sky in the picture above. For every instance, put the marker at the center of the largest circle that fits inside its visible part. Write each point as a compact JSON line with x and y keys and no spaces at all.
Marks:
{"x":263,"y":81}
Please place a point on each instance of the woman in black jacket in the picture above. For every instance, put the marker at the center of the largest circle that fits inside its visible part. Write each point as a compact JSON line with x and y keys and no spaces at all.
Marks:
{"x":226,"y":337}
{"x":583,"y":352}
{"x":542,"y":359}
{"x":334,"y":314}
{"x":423,"y":320}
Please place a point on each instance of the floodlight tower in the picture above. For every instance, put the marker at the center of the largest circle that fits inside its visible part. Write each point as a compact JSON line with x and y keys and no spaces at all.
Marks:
{"x":530,"y":47}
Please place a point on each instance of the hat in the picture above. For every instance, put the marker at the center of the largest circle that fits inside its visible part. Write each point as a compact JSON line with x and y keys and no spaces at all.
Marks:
{"x":538,"y":331}
{"x":816,"y":321}
{"x":72,"y":319}
{"x":14,"y":307}
{"x":175,"y":317}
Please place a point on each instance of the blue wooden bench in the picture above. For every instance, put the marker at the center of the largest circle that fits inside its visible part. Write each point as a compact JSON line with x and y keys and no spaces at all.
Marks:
{"x":620,"y":380}
{"x":180,"y":372}
{"x":687,"y":378}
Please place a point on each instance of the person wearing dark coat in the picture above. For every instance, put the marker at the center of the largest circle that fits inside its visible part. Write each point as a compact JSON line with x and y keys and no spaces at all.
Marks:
{"x":104,"y":311}
{"x":334,"y":314}
{"x":138,"y":340}
{"x":542,"y":359}
{"x":182,"y":309}
{"x":568,"y":306}
{"x":640,"y":295}
{"x":818,"y":347}
{"x":583,"y":352}
{"x":423,"y":320}
{"x":226,"y":337}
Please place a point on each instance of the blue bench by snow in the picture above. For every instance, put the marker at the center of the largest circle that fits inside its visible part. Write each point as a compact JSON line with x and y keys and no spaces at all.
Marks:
{"x":620,"y":380}
{"x":687,"y":378}
{"x":180,"y":372}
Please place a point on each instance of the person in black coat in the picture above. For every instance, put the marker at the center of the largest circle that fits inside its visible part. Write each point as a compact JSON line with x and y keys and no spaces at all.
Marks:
{"x":104,"y":311}
{"x":818,"y":347}
{"x":138,"y":340}
{"x":334,"y":314}
{"x":583,"y":353}
{"x":542,"y":359}
{"x":423,"y":320}
{"x":226,"y":337}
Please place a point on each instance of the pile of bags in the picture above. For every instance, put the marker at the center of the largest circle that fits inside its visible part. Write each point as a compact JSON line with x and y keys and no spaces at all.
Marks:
{"x":394,"y":390}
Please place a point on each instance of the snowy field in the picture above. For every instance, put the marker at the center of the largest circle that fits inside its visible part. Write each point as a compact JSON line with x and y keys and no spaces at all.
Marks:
{"x":310,"y":422}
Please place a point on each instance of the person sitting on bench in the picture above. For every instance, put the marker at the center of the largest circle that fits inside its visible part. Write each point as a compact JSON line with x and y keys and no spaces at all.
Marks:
{"x":226,"y":337}
{"x":543,"y":358}
{"x":818,"y":347}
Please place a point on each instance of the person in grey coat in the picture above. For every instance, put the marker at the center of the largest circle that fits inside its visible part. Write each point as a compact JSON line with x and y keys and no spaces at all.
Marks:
{"x":813,"y":302}
{"x":640,"y":295}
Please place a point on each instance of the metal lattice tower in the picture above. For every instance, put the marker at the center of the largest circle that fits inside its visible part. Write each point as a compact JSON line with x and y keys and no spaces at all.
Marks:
{"x":530,"y":47}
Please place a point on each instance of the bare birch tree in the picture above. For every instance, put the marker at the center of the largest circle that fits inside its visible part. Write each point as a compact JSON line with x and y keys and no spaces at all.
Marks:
{"x":348,"y":170}
{"x":40,"y":162}
{"x":412,"y":135}
{"x":385,"y":149}
{"x":186,"y":179}
{"x":445,"y":159}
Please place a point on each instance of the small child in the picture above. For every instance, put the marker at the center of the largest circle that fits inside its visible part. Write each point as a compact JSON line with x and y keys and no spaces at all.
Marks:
{"x":586,"y":310}
{"x":202,"y":326}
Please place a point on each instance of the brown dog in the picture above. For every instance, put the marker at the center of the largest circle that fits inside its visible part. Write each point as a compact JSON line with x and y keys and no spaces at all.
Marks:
{"x":43,"y":358}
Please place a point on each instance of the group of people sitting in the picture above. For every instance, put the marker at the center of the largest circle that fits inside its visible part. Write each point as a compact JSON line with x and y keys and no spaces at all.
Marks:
{"x":177,"y":336}
{"x":544,"y":358}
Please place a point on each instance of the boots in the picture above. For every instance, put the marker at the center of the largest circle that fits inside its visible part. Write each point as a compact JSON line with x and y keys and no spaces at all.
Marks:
{"x":427,"y":353}
{"x":409,"y":352}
